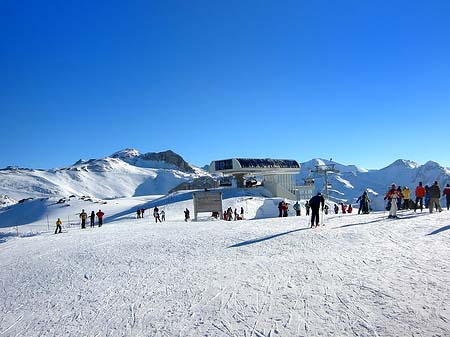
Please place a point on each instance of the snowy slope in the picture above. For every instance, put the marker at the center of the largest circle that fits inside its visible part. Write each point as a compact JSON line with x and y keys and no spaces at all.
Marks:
{"x":360,"y":275}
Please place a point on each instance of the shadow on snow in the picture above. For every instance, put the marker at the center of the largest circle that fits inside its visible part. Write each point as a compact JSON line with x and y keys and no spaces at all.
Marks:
{"x":437,"y":231}
{"x":250,"y":242}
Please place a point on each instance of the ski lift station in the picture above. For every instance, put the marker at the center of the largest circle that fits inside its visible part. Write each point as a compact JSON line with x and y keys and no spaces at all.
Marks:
{"x":278,"y":175}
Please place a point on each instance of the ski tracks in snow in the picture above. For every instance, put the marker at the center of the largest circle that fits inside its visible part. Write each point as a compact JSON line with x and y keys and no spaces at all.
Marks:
{"x":192,"y":279}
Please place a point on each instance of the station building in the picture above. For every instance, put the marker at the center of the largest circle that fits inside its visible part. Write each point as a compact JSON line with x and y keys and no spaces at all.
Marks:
{"x":278,"y":175}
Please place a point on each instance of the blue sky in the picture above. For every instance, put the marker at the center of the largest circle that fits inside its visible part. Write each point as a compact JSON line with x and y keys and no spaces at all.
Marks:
{"x":362,"y":82}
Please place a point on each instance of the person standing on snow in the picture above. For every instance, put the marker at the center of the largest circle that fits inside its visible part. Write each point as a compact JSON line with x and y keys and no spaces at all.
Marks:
{"x":399,"y":200}
{"x":435,"y":194}
{"x":336,"y":209}
{"x":363,"y":203}
{"x":280,"y":209}
{"x":406,"y":192}
{"x":392,"y":196}
{"x":315,"y":203}
{"x":297,"y":209}
{"x":307,"y":207}
{"x":92,"y":218}
{"x":83,"y":217}
{"x":58,"y":226}
{"x":427,"y":196}
{"x":446,"y":193}
{"x":186,"y":214}
{"x":156,"y":214}
{"x":420,"y":193}
{"x":285,"y":209}
{"x":100,"y":215}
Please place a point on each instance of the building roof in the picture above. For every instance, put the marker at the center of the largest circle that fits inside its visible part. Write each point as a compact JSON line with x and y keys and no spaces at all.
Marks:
{"x":254,"y":165}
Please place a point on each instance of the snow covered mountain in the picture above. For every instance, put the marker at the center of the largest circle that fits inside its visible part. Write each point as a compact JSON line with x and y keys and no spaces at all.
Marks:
{"x":128,"y":173}
{"x":125,"y":173}
{"x":351,"y":181}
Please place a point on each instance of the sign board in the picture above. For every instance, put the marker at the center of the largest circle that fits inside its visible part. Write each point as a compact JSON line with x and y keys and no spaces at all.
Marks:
{"x":207,"y":201}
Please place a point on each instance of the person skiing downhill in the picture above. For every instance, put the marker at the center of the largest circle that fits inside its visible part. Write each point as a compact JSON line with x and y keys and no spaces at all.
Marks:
{"x":315,"y":203}
{"x":392,"y":196}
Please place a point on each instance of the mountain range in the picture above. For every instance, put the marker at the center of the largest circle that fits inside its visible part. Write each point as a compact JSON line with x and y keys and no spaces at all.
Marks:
{"x":128,"y":173}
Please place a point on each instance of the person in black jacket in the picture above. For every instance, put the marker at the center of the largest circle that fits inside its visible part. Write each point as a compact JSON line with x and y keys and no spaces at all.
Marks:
{"x":315,"y":203}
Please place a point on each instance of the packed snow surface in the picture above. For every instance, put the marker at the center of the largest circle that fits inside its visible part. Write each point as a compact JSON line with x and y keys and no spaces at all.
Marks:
{"x":359,"y":275}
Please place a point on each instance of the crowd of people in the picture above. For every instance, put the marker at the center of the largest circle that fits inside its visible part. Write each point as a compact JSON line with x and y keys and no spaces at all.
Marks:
{"x":425,"y":197}
{"x":396,"y":198}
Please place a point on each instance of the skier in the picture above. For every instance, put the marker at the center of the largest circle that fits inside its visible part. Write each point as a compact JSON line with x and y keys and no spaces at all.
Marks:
{"x":92,"y":218}
{"x":315,"y":203}
{"x":186,"y":215}
{"x":58,"y":226}
{"x":392,"y":195}
{"x":307,"y":207}
{"x":350,"y":209}
{"x":420,"y":193}
{"x":297,"y":209}
{"x":280,"y":209}
{"x":406,"y":196}
{"x":344,"y":208}
{"x":285,"y":209}
{"x":83,"y":217}
{"x":242,"y":213}
{"x":163,"y":215}
{"x":100,"y":215}
{"x":399,"y":200}
{"x":336,"y":209}
{"x":156,"y":214}
{"x":427,"y":196}
{"x":363,"y":203}
{"x":435,"y":194}
{"x":138,"y":212}
{"x":446,"y":193}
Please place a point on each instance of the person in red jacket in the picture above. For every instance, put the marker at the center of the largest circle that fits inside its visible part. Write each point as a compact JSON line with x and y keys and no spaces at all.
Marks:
{"x":349,"y":209}
{"x":100,"y":215}
{"x":446,"y":193}
{"x":392,"y":196}
{"x":420,"y":193}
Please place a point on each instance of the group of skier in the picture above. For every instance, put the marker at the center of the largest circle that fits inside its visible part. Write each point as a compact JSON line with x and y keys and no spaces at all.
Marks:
{"x":428,"y":196}
{"x":83,"y":217}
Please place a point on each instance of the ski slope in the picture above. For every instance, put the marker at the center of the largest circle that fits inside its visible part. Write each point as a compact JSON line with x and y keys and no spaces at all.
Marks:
{"x":359,"y":275}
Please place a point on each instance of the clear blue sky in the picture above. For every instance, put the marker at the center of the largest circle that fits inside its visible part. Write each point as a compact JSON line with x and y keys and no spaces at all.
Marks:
{"x":362,"y":82}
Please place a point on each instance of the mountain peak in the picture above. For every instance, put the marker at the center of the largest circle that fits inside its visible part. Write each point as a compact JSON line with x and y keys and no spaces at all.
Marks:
{"x":404,"y":163}
{"x":126,"y":153}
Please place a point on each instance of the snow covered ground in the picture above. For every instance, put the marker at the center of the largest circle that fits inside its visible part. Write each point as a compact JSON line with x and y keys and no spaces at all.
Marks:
{"x":359,"y":275}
